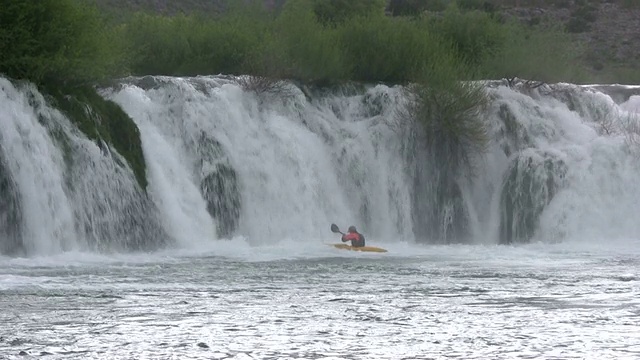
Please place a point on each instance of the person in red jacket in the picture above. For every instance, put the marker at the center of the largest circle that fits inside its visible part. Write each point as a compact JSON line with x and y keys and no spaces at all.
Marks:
{"x":357,"y":239}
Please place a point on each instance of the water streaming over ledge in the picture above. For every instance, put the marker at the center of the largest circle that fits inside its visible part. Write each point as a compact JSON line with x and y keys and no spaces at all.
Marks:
{"x":224,"y":163}
{"x":60,"y":191}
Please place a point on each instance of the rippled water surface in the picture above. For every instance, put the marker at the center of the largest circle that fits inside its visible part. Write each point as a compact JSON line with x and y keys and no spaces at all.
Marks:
{"x":458,"y":302}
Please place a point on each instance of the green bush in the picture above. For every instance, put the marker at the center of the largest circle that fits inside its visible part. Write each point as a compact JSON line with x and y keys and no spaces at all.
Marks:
{"x":189,"y":45}
{"x":474,"y":34}
{"x":303,"y":48}
{"x":389,"y":49}
{"x":60,"y":40}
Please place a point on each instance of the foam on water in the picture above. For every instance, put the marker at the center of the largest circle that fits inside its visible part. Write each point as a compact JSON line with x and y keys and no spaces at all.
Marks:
{"x":537,"y":301}
{"x":239,"y":249}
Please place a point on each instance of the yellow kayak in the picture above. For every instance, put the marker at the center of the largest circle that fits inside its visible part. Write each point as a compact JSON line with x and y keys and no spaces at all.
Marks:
{"x":362,"y":248}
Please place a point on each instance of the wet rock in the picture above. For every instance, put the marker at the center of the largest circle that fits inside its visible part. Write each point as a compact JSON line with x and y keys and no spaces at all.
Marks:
{"x":10,"y":213}
{"x":203,"y":345}
{"x":533,"y":179}
{"x":439,"y":211}
{"x":512,"y":135}
{"x":219,"y":186}
{"x":220,"y":190}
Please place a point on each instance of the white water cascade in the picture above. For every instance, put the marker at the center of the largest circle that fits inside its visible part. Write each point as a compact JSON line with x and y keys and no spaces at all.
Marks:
{"x":36,"y":164}
{"x":67,"y":192}
{"x":582,"y":154}
{"x":301,"y":165}
{"x":222,"y":162}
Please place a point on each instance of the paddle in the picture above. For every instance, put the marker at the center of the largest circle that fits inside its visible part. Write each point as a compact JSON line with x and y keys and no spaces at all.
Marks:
{"x":336,"y":229}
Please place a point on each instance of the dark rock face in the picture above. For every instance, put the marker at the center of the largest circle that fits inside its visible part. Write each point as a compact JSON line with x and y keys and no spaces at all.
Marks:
{"x":220,"y":190}
{"x":10,"y":214}
{"x":444,"y":219}
{"x":439,"y":212}
{"x":219,"y":185}
{"x":512,"y":136}
{"x":533,"y":179}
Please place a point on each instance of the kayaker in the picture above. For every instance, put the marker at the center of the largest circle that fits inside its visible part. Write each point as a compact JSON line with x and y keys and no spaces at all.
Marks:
{"x":357,"y":239}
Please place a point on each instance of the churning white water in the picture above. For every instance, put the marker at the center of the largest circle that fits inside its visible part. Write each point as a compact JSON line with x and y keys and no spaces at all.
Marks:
{"x":70,"y":193}
{"x":301,"y":164}
{"x":596,"y":143}
{"x":537,"y":301}
{"x":35,"y":164}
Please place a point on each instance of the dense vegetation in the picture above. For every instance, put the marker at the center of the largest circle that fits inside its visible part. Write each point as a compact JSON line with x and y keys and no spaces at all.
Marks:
{"x":312,"y":42}
{"x":57,"y":40}
{"x":309,"y":40}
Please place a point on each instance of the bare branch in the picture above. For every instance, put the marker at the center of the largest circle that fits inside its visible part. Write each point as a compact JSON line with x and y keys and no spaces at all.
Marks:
{"x":262,"y":85}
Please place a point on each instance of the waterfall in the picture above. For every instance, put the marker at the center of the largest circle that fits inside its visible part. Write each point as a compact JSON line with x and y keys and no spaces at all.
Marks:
{"x":225,"y":162}
{"x":61,"y":191}
{"x":297,"y":165}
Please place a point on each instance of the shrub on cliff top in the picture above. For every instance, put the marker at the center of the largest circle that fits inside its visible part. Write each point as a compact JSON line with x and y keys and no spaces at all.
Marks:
{"x":474,"y":34}
{"x":308,"y":50}
{"x":390,"y":49}
{"x":62,"y":40}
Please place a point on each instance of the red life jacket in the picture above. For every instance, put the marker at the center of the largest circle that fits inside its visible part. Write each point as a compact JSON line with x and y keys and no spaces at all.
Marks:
{"x":351,"y":236}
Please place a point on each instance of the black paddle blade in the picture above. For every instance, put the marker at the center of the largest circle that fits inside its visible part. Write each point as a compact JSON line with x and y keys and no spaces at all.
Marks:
{"x":334,"y":228}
